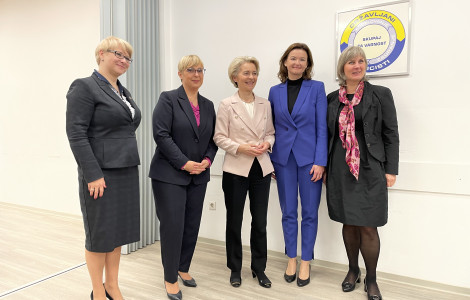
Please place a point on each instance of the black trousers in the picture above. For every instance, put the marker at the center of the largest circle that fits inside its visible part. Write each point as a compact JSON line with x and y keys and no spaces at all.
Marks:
{"x":179,"y":209}
{"x":235,"y":189}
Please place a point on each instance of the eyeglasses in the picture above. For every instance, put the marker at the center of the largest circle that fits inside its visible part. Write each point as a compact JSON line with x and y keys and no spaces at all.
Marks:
{"x":193,"y":71}
{"x":120,"y":55}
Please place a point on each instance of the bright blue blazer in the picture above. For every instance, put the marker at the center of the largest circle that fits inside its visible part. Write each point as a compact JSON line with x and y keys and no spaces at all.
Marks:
{"x":305,"y":131}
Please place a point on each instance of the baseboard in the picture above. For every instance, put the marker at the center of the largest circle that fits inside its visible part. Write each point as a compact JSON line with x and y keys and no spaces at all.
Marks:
{"x":382,"y":275}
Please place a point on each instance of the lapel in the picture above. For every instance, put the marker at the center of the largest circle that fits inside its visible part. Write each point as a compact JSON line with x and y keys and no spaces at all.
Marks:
{"x":204,"y":117}
{"x":240,"y":109}
{"x":366,"y":98}
{"x":334,"y":112}
{"x":283,"y":99}
{"x":105,"y":87}
{"x":129,"y":98}
{"x":301,"y":98}
{"x":259,"y":116}
{"x":186,"y":106}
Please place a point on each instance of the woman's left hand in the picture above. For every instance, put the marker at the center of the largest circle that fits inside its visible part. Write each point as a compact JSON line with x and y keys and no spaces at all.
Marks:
{"x":390,"y":179}
{"x":317,"y":172}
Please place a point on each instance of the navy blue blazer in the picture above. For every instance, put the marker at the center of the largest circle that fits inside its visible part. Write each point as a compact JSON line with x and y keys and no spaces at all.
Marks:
{"x":304,"y":132}
{"x":179,"y":139}
{"x":100,"y":127}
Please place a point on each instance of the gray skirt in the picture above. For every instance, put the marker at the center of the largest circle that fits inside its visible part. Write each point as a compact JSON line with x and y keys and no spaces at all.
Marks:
{"x":114,"y":219}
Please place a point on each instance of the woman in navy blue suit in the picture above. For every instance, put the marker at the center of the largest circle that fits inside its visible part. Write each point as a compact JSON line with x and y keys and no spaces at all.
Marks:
{"x":183,"y":128}
{"x":299,"y":155}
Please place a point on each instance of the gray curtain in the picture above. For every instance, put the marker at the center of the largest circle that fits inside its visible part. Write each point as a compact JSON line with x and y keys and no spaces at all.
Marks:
{"x":137,"y":22}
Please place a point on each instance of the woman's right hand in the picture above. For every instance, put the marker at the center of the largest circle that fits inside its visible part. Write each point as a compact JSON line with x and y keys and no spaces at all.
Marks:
{"x":96,"y":188}
{"x":249,"y":149}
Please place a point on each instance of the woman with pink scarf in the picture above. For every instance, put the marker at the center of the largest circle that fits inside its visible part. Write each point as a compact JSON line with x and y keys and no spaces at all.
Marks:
{"x":362,"y":164}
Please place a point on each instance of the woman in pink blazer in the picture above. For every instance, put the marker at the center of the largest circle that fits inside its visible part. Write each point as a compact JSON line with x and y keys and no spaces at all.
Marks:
{"x":244,"y":129}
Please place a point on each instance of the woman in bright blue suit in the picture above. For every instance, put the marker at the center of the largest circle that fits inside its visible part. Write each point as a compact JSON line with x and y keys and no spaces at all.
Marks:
{"x":299,"y":155}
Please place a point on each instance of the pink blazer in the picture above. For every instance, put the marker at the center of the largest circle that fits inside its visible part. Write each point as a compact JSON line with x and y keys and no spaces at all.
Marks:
{"x":234,"y":126}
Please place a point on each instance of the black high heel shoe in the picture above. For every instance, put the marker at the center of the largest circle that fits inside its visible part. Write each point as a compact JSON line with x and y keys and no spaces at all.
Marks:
{"x":348,"y":286}
{"x":263,"y":280}
{"x":189,"y":283}
{"x":304,"y":282}
{"x":290,"y":278}
{"x":107,"y":295}
{"x":235,"y":279}
{"x":177,"y":296}
{"x":371,"y":297}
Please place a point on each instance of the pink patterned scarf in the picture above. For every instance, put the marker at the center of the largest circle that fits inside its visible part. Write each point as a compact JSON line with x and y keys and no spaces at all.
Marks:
{"x":347,"y":128}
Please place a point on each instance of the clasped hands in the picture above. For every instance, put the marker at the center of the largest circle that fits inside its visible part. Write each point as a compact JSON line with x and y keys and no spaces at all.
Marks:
{"x":253,"y":149}
{"x":195,"y":168}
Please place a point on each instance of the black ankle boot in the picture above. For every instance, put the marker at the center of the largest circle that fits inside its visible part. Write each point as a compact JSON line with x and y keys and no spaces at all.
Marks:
{"x":263,"y":280}
{"x":235,"y":279}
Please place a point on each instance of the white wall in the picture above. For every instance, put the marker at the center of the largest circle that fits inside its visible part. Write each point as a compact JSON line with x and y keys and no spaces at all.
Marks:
{"x":427,"y":233}
{"x":45,"y":45}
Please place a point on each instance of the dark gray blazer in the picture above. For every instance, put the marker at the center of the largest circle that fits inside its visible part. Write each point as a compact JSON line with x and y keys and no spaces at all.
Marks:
{"x":179,"y":139}
{"x":100,"y":127}
{"x":380,"y":124}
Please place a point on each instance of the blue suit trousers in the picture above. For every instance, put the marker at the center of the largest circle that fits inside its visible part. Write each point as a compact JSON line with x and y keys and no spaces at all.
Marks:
{"x":292,"y":179}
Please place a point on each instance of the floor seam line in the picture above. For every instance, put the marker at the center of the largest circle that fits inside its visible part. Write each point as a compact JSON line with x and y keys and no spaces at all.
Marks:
{"x":15,"y":290}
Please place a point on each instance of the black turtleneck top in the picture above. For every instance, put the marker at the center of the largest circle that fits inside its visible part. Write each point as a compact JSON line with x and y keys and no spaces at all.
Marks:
{"x":293,"y":89}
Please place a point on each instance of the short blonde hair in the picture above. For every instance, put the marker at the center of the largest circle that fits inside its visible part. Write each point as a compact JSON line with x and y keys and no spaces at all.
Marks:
{"x":189,"y":61}
{"x":237,"y":62}
{"x":348,"y":54}
{"x":111,"y":43}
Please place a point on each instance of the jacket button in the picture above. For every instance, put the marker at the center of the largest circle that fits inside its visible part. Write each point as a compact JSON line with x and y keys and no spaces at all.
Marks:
{"x":367,"y":135}
{"x":365,"y":124}
{"x":368,"y":145}
{"x":196,"y":140}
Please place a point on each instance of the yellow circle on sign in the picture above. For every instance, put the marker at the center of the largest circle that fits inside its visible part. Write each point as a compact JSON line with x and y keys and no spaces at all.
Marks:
{"x":373,"y":39}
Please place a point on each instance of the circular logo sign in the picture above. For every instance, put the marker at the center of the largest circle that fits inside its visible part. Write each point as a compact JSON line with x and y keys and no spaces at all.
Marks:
{"x":379,"y":33}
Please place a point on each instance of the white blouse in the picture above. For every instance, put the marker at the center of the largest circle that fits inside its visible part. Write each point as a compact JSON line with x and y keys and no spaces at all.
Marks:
{"x":250,"y":108}
{"x":125,"y":101}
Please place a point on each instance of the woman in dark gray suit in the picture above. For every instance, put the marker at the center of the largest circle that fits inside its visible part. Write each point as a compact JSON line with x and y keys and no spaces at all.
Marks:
{"x":362,"y":164}
{"x":101,"y":121}
{"x":183,"y":127}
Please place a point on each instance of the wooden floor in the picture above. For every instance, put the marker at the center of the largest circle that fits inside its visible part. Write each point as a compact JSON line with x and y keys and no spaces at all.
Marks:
{"x":37,"y":244}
